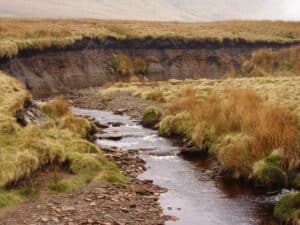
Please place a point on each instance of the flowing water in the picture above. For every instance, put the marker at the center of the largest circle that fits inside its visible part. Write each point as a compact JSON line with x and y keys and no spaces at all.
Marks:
{"x":193,"y":195}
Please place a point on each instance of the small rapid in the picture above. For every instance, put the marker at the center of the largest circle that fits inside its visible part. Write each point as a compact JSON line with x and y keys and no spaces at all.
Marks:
{"x":193,"y":195}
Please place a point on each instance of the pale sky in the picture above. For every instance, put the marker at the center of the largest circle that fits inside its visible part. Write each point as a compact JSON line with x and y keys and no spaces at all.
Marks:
{"x":167,"y":10}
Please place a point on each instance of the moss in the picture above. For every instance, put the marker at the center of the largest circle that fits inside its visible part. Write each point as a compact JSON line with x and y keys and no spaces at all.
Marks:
{"x":115,"y":64}
{"x":112,"y":174}
{"x":180,"y":124}
{"x":288,"y":208}
{"x":151,"y":117}
{"x":80,"y":163}
{"x":109,"y":172}
{"x":295,"y":180}
{"x":268,"y":171}
{"x":13,"y":197}
{"x":72,"y":184}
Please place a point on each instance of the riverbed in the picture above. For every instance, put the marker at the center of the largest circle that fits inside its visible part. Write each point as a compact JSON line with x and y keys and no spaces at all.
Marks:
{"x":195,"y":196}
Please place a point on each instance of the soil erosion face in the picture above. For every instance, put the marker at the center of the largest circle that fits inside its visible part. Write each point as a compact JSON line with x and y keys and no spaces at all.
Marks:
{"x":90,"y":63}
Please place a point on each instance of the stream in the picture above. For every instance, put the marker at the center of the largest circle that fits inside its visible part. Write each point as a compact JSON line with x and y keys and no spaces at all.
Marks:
{"x":193,"y":195}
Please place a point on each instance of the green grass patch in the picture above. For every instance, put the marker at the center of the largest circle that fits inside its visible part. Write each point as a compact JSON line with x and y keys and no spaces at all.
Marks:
{"x":151,"y":117}
{"x":288,"y":208}
{"x":13,"y":197}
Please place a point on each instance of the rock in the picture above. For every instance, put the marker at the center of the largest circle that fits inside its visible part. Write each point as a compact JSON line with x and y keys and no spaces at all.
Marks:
{"x":117,"y":223}
{"x":133,"y":205}
{"x":68,"y":208}
{"x":120,"y":111}
{"x":44,"y":219}
{"x":115,"y":124}
{"x":93,"y":204}
{"x":55,"y":219}
{"x":170,"y":218}
{"x":114,"y":137}
{"x":124,"y":209}
{"x":88,"y":199}
{"x":193,"y":151}
{"x":155,"y":68}
{"x":101,"y":125}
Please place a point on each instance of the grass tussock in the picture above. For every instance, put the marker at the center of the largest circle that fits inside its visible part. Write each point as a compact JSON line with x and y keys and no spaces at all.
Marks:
{"x":238,"y":125}
{"x":265,"y":62}
{"x":128,"y":66}
{"x":242,"y":121}
{"x":288,"y":208}
{"x":151,"y":117}
{"x":282,"y":91}
{"x":57,"y":108}
{"x":57,"y":139}
{"x":13,"y":197}
{"x":17,"y":35}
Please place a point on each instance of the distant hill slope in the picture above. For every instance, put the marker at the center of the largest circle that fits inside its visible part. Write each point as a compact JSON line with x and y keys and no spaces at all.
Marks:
{"x":182,"y":10}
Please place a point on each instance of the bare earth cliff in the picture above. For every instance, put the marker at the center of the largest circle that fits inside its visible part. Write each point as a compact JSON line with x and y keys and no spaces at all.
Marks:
{"x":89,"y":63}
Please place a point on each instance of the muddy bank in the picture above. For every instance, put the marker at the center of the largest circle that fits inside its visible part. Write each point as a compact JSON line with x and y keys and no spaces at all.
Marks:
{"x":88,"y":63}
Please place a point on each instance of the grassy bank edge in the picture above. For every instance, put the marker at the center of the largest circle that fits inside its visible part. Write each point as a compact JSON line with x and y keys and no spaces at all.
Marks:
{"x":57,"y":137}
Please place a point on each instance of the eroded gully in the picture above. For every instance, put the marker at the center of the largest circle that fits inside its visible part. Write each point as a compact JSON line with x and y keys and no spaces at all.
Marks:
{"x":193,"y":195}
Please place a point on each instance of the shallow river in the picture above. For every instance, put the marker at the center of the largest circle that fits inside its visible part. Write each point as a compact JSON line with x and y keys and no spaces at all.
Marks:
{"x":193,"y":195}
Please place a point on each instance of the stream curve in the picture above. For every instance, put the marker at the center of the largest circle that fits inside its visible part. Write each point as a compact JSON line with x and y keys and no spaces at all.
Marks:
{"x":193,"y":195}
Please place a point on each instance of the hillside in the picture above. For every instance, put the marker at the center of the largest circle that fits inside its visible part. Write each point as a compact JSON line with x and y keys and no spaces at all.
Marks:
{"x":166,"y":10}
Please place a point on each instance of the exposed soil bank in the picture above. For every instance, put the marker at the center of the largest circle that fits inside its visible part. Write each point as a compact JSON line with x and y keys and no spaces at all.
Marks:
{"x":88,"y":63}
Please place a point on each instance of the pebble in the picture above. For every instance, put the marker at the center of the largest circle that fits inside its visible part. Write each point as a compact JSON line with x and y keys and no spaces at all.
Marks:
{"x":93,"y":204}
{"x":44,"y":219}
{"x":55,"y":219}
{"x":68,"y":208}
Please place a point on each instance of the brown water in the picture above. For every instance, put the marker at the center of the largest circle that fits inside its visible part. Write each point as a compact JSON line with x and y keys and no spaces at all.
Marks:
{"x":193,"y":195}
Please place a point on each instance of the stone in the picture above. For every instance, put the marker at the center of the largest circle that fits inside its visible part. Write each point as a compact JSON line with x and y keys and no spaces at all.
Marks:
{"x":55,"y":219}
{"x":68,"y":208}
{"x":170,"y":218}
{"x":93,"y":204}
{"x":124,"y":209}
{"x":193,"y":151}
{"x":44,"y":219}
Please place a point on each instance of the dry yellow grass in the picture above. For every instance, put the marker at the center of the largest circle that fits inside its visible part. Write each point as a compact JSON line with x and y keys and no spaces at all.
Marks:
{"x":244,"y":120}
{"x":283,"y":91}
{"x":59,"y":137}
{"x":265,"y":62}
{"x":16,"y":35}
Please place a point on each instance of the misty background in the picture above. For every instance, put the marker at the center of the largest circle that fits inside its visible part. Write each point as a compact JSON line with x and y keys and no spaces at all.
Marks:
{"x":166,"y":10}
